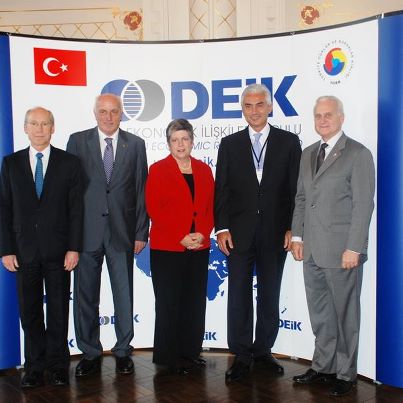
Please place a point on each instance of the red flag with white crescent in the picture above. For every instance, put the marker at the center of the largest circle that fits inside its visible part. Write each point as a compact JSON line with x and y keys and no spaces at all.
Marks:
{"x":60,"y":67}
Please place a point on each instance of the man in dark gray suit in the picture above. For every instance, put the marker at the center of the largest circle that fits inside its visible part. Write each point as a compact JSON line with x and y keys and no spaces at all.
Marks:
{"x":115,"y":226}
{"x":333,"y":209}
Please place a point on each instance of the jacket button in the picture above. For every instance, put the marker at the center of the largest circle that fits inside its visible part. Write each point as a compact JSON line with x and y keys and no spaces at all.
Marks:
{"x":194,"y":214}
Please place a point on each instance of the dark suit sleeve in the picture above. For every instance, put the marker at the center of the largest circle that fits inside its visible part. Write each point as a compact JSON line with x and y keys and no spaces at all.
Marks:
{"x":221,"y":193}
{"x":72,"y":145}
{"x":142,"y":221}
{"x":299,"y":205}
{"x":7,"y":246}
{"x":207,"y":223}
{"x":76,"y":207}
{"x":293,"y":174}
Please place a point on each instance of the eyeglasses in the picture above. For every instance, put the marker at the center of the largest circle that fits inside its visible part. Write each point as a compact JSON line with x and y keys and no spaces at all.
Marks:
{"x":40,"y":124}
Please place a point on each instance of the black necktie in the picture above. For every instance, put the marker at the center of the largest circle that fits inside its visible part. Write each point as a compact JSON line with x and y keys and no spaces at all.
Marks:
{"x":321,"y":156}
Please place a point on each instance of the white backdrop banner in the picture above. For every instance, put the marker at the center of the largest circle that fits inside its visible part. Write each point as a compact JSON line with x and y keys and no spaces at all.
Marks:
{"x":203,"y":82}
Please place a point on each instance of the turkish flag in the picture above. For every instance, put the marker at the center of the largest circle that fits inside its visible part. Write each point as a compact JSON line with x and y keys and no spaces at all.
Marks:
{"x":60,"y":67}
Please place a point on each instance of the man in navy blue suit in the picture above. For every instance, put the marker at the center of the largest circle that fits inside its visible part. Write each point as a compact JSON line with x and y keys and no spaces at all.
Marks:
{"x":41,"y":213}
{"x":256,"y":180}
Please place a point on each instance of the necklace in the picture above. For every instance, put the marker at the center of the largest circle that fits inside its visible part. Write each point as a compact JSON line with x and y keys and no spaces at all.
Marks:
{"x":187,"y":167}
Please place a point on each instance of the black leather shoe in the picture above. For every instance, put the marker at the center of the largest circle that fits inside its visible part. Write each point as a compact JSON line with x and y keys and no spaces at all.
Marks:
{"x":32,"y":379}
{"x":59,"y":377}
{"x":197,"y":362}
{"x":267,"y":361}
{"x":88,"y":367}
{"x":181,"y":370}
{"x":237,"y":371}
{"x":124,"y":365}
{"x":165,"y":370}
{"x":341,"y":388}
{"x":312,"y":376}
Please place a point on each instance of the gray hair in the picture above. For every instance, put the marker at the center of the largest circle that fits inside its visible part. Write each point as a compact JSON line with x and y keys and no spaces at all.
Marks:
{"x":179,"y":124}
{"x":99,"y":97}
{"x":257,"y":89}
{"x":29,"y":111}
{"x":332,"y":98}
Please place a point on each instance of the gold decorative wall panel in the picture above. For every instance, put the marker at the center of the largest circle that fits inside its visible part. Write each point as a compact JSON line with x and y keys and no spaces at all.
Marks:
{"x":212,"y":19}
{"x":85,"y":23}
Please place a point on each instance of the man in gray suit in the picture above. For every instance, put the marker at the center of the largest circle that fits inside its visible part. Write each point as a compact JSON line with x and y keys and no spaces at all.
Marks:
{"x":333,"y":209}
{"x":115,"y":226}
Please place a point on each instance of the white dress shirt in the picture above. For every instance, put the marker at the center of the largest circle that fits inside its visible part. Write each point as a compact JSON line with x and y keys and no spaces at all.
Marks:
{"x":102,"y":142}
{"x":33,"y":159}
{"x":263,"y":138}
{"x":331,"y":143}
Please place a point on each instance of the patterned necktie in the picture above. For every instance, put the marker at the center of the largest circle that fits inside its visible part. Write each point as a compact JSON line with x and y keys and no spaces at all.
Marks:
{"x":108,"y":159}
{"x":321,"y":156}
{"x":39,"y":175}
{"x":257,"y":149}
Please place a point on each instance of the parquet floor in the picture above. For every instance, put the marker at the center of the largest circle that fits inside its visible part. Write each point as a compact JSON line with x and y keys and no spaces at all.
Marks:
{"x":202,"y":385}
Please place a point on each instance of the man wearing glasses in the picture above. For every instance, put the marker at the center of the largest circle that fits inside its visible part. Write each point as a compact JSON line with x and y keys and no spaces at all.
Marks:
{"x":41,"y":210}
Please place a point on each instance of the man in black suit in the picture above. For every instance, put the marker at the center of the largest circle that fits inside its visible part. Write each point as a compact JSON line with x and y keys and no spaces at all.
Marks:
{"x":115,"y":227}
{"x":41,"y":211}
{"x":256,"y":177}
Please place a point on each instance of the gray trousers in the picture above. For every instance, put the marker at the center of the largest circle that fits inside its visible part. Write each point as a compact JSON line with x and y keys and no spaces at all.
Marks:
{"x":333,"y":297}
{"x":87,"y":283}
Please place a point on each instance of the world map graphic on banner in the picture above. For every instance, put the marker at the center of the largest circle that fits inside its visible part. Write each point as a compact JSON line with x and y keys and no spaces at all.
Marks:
{"x":217,"y":269}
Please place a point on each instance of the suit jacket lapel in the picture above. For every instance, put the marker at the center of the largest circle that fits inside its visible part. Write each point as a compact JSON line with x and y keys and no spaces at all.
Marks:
{"x":26,"y":166}
{"x":176,"y":178}
{"x":247,"y":145}
{"x":333,"y":156}
{"x":121,"y":152}
{"x":95,"y":152}
{"x":270,"y":149}
{"x":50,"y":173}
{"x":314,"y":155}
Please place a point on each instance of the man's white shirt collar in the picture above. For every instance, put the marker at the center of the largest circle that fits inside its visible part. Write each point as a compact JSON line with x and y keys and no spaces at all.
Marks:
{"x":332,"y":141}
{"x":265,"y":133}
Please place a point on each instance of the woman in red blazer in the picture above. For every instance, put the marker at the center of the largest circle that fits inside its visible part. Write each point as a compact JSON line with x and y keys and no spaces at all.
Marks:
{"x":179,"y":200}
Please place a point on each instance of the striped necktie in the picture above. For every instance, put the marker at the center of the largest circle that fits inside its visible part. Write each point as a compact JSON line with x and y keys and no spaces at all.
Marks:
{"x":108,"y":159}
{"x":321,"y":156}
